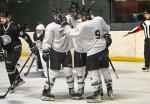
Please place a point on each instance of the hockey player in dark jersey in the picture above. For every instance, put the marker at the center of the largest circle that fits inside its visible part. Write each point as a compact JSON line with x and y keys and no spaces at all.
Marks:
{"x":146,"y":27}
{"x":11,"y":44}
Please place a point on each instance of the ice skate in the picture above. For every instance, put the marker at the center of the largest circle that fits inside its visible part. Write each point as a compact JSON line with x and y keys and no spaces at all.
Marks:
{"x":72,"y":93}
{"x":79,"y":95}
{"x":110,"y":94}
{"x":96,"y":97}
{"x":19,"y":82}
{"x":46,"y":96}
{"x":145,"y":69}
{"x":12,"y":89}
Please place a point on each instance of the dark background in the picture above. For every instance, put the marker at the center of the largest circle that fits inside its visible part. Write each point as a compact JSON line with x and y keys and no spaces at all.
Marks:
{"x":120,"y":14}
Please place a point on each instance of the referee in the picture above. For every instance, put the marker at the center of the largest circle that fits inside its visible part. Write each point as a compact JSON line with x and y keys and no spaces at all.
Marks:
{"x":146,"y":27}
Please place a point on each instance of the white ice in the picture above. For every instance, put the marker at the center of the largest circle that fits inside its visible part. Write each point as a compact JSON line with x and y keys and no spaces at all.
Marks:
{"x":133,"y":87}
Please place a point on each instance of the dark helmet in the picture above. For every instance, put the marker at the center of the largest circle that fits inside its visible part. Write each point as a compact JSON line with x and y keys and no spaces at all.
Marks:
{"x":147,"y":11}
{"x":86,"y":11}
{"x":57,"y":11}
{"x":74,"y":7}
{"x":5,"y":14}
{"x":74,"y":4}
{"x":74,"y":10}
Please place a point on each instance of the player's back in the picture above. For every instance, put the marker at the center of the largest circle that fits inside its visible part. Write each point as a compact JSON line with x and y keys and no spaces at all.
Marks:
{"x":92,"y":32}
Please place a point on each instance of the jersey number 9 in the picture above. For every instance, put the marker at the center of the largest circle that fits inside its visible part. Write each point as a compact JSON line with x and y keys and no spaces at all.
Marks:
{"x":97,"y":34}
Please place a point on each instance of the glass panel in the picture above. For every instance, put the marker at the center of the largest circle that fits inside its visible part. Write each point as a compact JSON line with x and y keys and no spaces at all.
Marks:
{"x":127,"y":14}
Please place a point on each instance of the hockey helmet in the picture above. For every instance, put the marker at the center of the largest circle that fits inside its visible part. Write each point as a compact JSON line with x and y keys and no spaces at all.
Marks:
{"x":147,"y":11}
{"x":74,"y":7}
{"x":5,"y":14}
{"x":40,"y":27}
{"x":57,"y":11}
{"x":86,"y":11}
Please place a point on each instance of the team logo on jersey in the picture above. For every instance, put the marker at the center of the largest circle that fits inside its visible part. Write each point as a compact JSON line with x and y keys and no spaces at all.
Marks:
{"x":6,"y":39}
{"x":61,"y":32}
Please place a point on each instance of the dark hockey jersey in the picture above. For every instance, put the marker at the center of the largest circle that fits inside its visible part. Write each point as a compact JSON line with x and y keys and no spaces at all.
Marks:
{"x":9,"y":36}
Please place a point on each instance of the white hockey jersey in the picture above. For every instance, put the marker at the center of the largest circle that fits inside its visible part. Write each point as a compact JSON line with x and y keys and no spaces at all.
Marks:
{"x":76,"y":43}
{"x":56,"y":39}
{"x":90,"y":35}
{"x":72,"y":22}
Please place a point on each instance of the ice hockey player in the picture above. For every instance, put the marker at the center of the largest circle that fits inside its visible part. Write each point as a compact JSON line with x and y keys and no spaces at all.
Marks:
{"x":146,"y":27}
{"x":79,"y":54}
{"x":38,"y":37}
{"x":59,"y":45}
{"x":91,"y":34}
{"x":11,"y":44}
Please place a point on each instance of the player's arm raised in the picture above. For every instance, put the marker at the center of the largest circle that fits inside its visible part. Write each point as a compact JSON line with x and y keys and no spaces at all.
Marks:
{"x":134,"y":30}
{"x":75,"y":32}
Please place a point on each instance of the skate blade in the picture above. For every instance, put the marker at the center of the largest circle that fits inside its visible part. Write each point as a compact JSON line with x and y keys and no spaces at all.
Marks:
{"x":146,"y":70}
{"x":47,"y":99}
{"x":12,"y":91}
{"x":94,"y":101}
{"x":21,"y":84}
{"x":73,"y":97}
{"x":111,"y":97}
{"x":78,"y":98}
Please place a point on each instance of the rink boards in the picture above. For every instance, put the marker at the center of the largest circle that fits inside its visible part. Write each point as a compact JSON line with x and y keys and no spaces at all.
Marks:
{"x":129,"y":48}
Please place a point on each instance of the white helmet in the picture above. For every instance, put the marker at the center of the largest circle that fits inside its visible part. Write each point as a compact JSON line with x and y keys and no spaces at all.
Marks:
{"x":40,"y":27}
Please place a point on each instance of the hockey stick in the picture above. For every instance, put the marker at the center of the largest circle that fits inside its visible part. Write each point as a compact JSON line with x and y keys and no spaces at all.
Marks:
{"x":3,"y":96}
{"x":47,"y":67}
{"x":91,"y":4}
{"x":113,"y":68}
{"x":83,"y":2}
{"x":25,"y":74}
{"x":86,"y":72}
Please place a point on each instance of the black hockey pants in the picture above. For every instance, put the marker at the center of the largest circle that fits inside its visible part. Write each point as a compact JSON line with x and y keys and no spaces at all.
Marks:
{"x":12,"y":57}
{"x":147,"y":52}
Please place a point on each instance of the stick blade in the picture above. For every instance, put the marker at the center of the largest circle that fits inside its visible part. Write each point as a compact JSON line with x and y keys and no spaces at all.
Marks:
{"x":117,"y":77}
{"x":2,"y":97}
{"x":94,"y":101}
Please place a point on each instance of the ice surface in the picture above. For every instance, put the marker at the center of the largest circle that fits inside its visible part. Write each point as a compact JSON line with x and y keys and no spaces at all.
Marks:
{"x":133,"y":87}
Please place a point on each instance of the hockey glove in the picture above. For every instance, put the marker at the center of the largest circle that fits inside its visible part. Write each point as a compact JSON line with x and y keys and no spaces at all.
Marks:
{"x":1,"y":56}
{"x":34,"y":49}
{"x":62,"y":19}
{"x":108,"y":39}
{"x":45,"y":55}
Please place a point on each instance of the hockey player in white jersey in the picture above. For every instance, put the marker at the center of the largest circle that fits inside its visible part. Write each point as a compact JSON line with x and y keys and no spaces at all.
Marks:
{"x":80,"y":55}
{"x":59,"y":45}
{"x":91,"y":36}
